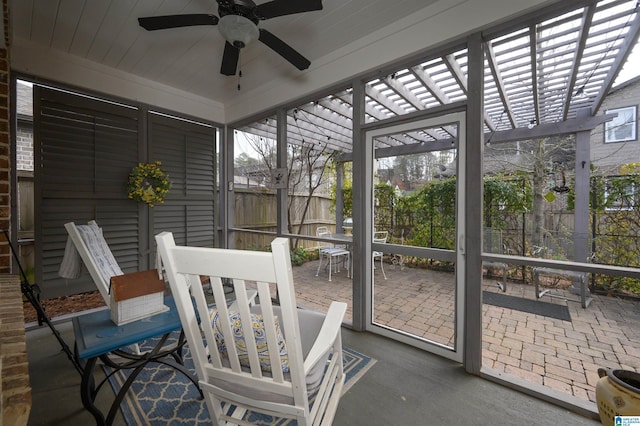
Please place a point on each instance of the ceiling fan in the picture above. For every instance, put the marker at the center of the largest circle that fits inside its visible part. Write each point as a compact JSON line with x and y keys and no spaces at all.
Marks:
{"x":238,"y":24}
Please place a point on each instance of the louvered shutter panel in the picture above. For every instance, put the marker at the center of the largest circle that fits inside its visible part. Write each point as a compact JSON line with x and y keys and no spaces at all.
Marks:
{"x":187,"y":153}
{"x":85,"y":149}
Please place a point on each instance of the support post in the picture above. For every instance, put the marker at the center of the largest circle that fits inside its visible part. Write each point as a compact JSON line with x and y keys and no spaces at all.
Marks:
{"x":362,"y":215}
{"x":227,"y":190}
{"x":282,"y":224}
{"x":339,"y":196}
{"x":581,"y":205}
{"x":473,"y":198}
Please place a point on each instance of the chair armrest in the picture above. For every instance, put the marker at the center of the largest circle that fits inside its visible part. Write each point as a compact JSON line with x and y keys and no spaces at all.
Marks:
{"x":327,"y":335}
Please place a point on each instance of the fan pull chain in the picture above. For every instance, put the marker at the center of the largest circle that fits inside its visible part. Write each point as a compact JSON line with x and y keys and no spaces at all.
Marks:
{"x":239,"y":68}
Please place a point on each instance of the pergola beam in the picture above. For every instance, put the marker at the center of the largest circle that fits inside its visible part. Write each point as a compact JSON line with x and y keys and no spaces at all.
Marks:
{"x":323,"y":118}
{"x":587,"y":18}
{"x":412,"y":99}
{"x":512,"y":135}
{"x":338,"y":107}
{"x":431,"y":85}
{"x":547,"y":130}
{"x":385,"y":102}
{"x":393,"y":151}
{"x":404,"y":93}
{"x":630,"y":40}
{"x":533,"y":45}
{"x":495,"y":71}
{"x":461,"y":79}
{"x":309,"y":132}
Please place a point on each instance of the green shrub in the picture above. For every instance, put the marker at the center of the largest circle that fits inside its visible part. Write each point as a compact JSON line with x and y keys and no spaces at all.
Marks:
{"x":301,"y":255}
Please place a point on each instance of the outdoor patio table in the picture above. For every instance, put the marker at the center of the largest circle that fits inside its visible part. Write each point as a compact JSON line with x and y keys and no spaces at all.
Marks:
{"x":97,"y":337}
{"x":343,"y":238}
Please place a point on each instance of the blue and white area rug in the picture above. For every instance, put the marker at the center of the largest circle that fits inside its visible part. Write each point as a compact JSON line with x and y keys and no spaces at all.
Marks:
{"x":161,"y":395}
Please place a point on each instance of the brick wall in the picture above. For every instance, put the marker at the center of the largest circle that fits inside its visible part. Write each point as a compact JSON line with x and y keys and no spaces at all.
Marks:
{"x":24,"y":148}
{"x":15,"y":400}
{"x":14,"y":384}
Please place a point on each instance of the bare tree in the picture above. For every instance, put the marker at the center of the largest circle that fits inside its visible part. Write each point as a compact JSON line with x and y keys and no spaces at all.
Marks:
{"x":308,"y":168}
{"x":546,"y":160}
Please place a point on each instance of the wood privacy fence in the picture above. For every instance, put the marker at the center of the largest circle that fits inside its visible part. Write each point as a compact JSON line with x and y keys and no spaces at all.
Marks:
{"x":26,"y":222}
{"x":256,"y":210}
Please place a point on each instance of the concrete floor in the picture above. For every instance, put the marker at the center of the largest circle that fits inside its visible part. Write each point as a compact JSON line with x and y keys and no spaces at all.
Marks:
{"x":405,"y":387}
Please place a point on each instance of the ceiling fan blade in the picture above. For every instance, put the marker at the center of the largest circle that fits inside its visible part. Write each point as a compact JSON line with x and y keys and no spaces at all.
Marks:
{"x":229,"y":59}
{"x":286,"y":7}
{"x":153,"y":23}
{"x":284,"y":50}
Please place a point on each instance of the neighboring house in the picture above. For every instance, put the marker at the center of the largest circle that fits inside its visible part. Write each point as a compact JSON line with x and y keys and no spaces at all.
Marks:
{"x":615,"y":143}
{"x":24,"y":133}
{"x":24,"y":166}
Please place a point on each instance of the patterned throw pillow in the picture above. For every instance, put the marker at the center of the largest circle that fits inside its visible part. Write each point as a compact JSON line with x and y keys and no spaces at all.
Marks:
{"x":241,"y":346}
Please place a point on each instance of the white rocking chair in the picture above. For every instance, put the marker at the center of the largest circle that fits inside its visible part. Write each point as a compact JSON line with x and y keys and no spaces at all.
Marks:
{"x":234,"y":365}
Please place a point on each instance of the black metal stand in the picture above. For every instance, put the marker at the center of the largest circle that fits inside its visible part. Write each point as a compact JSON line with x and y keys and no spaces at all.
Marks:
{"x":32,"y":293}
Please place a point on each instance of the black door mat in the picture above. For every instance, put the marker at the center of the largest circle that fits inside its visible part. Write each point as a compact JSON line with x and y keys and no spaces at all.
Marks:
{"x":537,"y":307}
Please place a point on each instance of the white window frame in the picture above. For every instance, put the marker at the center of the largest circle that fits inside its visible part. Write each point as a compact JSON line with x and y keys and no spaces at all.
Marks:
{"x":623,"y":128}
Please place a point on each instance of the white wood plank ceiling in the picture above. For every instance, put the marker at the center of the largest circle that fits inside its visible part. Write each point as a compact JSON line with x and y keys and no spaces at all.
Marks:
{"x":189,"y":58}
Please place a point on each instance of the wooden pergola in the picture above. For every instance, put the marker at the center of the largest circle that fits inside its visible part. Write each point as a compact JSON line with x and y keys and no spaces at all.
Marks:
{"x":540,"y":73}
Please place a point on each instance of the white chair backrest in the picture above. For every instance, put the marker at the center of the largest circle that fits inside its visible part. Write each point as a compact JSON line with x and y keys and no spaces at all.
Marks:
{"x":95,"y":254}
{"x":322,"y":230}
{"x":324,"y":234}
{"x":228,"y":375}
{"x":380,"y":236}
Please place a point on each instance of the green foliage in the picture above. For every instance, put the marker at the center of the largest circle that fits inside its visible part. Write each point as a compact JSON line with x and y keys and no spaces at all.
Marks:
{"x":430,"y":215}
{"x":618,"y":229}
{"x":385,"y":200}
{"x":31,"y":275}
{"x":427,"y":217}
{"x":506,"y":199}
{"x":300,"y":255}
{"x":504,"y":195}
{"x":347,"y":193}
{"x":616,"y":206}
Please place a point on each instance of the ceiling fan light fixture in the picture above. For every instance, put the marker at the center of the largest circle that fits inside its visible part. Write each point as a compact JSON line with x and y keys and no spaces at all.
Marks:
{"x":238,"y":30}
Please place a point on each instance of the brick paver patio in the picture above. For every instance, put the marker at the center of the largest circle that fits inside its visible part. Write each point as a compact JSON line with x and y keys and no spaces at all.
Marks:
{"x":562,"y":355}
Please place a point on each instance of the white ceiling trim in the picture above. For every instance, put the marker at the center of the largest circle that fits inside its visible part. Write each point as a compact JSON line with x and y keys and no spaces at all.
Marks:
{"x":33,"y":59}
